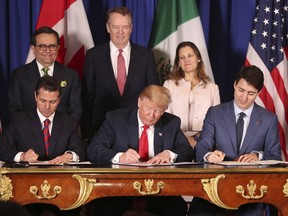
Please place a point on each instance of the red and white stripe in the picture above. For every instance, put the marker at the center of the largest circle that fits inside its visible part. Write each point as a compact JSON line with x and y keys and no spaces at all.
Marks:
{"x":68,"y":18}
{"x":274,"y":94}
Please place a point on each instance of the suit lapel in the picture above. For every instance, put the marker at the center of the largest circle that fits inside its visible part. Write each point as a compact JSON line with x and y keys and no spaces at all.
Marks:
{"x":158,"y":137}
{"x":231,"y":125}
{"x":33,"y":72}
{"x":133,"y":130}
{"x":110,"y":72}
{"x":56,"y":131}
{"x":36,"y":125}
{"x":57,"y":72}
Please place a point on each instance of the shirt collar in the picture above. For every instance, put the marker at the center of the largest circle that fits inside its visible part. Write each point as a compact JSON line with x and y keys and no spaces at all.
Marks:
{"x":248,"y":111}
{"x":42,"y":118}
{"x":114,"y":49}
{"x":40,"y":66}
{"x":182,"y":81}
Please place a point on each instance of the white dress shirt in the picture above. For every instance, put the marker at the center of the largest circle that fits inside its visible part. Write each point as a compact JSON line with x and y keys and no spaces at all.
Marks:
{"x":75,"y":157}
{"x":114,"y":52}
{"x":50,"y":71}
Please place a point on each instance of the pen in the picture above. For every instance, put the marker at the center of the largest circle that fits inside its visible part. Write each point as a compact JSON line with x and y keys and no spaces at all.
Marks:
{"x":21,"y":164}
{"x":130,"y":147}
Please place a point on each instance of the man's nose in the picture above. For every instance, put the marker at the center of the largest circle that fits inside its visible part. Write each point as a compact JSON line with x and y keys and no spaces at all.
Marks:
{"x":152,"y":113}
{"x":47,"y":105}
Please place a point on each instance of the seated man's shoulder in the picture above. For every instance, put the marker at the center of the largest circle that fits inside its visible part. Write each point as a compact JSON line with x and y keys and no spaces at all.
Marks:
{"x":65,"y":70}
{"x":264,"y":111}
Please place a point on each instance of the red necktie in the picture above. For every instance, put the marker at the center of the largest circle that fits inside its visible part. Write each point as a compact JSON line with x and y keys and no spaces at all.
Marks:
{"x":143,"y":144}
{"x":121,"y":72}
{"x":46,"y":134}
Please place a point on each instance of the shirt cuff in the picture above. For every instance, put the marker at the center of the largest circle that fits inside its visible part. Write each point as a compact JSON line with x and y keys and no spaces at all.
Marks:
{"x":205,"y":156}
{"x":173,"y":156}
{"x":259,"y":153}
{"x":17,"y":157}
{"x":116,"y":158}
{"x":75,"y":157}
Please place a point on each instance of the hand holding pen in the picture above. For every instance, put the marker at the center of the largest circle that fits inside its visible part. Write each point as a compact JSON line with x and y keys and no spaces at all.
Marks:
{"x":216,"y":156}
{"x":130,"y":156}
{"x":29,"y":156}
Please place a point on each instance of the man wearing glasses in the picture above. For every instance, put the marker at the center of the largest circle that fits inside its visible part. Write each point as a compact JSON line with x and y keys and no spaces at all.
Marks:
{"x":45,"y":46}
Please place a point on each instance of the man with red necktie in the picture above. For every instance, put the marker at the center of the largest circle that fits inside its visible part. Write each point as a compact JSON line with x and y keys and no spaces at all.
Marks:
{"x":115,"y":72}
{"x":146,"y":134}
{"x":29,"y":138}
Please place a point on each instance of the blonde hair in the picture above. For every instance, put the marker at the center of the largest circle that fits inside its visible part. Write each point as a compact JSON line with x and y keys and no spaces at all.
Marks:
{"x":159,"y":95}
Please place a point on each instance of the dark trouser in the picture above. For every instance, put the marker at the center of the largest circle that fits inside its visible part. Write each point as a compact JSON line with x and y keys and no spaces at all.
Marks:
{"x":116,"y":206}
{"x":202,"y":207}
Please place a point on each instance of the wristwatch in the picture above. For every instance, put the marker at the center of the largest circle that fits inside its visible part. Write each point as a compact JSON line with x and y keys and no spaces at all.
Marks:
{"x":195,"y":137}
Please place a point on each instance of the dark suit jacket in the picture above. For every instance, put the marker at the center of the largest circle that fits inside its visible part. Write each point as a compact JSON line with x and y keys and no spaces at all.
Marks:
{"x":219,"y":132}
{"x":120,"y":130}
{"x":23,"y":82}
{"x":25,"y":132}
{"x":101,"y":93}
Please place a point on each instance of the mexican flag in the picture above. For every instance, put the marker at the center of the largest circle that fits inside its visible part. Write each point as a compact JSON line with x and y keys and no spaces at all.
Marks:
{"x":176,"y":21}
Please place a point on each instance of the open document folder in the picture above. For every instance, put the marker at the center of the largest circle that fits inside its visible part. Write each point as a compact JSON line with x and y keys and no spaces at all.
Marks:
{"x":46,"y":163}
{"x":165,"y":164}
{"x":261,"y":162}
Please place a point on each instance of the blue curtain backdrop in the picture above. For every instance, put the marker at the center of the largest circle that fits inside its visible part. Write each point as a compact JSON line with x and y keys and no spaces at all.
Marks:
{"x":226,"y":24}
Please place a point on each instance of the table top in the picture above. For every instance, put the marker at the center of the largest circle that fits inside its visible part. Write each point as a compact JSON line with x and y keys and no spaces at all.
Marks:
{"x":101,"y":169}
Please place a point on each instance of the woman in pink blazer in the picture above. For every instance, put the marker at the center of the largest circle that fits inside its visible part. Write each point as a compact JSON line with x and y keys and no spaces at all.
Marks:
{"x":192,"y":91}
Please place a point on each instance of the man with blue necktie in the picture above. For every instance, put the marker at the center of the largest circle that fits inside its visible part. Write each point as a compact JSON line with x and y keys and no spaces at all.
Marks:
{"x":238,"y":130}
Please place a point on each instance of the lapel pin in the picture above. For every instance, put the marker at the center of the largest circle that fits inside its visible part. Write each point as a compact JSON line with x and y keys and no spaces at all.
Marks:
{"x":63,"y":83}
{"x":160,"y":134}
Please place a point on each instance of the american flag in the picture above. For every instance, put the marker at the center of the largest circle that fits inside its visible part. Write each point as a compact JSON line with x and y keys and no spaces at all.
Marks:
{"x":268,"y":50}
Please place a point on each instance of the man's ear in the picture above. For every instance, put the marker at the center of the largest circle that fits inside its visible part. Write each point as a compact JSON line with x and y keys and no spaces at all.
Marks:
{"x":35,"y":95}
{"x":139,"y":102}
{"x":107,"y":27}
{"x":32,"y":47}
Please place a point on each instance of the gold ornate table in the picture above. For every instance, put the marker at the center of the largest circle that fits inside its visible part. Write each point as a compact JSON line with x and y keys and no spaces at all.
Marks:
{"x":69,"y":187}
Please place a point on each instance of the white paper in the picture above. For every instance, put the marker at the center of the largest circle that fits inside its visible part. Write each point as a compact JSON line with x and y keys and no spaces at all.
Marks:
{"x":261,"y":162}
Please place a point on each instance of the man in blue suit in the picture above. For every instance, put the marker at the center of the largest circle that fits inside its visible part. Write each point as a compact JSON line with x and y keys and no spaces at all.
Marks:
{"x":117,"y":140}
{"x":101,"y":93}
{"x":218,"y":140}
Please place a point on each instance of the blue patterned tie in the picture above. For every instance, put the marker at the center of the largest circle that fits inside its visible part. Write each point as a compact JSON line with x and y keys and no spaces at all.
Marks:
{"x":239,"y":130}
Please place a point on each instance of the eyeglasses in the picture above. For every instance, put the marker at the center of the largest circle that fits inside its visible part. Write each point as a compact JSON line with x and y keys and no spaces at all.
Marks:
{"x":43,"y":47}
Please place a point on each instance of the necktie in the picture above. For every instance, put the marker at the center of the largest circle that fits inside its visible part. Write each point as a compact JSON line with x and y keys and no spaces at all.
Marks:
{"x":121,"y":72}
{"x":239,"y":130}
{"x":143,"y":144}
{"x":45,"y":70}
{"x":46,"y":135}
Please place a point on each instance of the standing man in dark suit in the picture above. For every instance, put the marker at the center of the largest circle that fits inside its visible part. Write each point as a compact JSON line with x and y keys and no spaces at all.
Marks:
{"x":119,"y":140}
{"x":101,"y":90}
{"x":45,"y":45}
{"x":218,"y":140}
{"x":24,"y":140}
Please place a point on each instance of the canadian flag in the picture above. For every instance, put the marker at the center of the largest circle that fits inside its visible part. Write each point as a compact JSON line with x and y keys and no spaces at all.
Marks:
{"x":68,"y":18}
